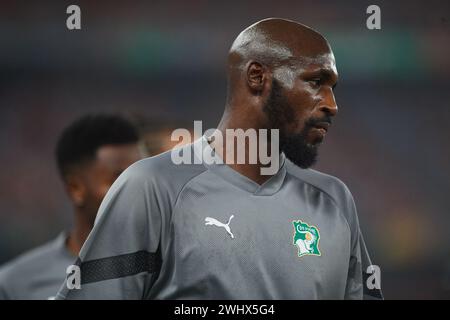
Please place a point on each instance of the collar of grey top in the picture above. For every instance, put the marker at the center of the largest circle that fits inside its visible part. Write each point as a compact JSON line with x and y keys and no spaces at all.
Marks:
{"x":270,"y":187}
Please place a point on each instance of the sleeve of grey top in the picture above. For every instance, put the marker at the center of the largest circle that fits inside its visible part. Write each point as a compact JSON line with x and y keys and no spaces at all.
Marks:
{"x":359,"y":263}
{"x":3,"y":295}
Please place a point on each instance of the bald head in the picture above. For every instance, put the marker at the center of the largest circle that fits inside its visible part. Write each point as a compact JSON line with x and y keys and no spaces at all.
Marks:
{"x":278,"y":44}
{"x":282,"y":75}
{"x":275,"y":42}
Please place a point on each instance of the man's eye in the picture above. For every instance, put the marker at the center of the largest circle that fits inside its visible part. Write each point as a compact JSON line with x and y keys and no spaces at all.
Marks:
{"x":315,"y":82}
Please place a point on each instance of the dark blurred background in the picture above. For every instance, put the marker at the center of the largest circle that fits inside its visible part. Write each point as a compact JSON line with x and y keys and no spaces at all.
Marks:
{"x":165,"y":61}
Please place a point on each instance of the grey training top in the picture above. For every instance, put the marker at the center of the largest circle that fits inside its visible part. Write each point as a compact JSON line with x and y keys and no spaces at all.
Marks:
{"x":204,"y":231}
{"x":37,"y":274}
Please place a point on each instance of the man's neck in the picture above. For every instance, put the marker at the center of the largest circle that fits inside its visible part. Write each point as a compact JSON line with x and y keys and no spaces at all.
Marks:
{"x":79,"y":233}
{"x":250,"y":170}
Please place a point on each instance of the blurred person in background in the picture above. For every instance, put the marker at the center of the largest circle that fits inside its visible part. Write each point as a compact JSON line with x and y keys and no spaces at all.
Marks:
{"x":156,"y":136}
{"x":91,"y":153}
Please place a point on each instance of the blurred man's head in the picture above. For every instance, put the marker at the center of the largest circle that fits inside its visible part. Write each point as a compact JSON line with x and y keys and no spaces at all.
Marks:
{"x":156,"y":135}
{"x":284,"y":73}
{"x":91,"y":153}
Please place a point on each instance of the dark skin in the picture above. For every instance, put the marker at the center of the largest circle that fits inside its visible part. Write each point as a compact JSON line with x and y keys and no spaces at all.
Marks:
{"x":299,"y":59}
{"x":88,"y":183}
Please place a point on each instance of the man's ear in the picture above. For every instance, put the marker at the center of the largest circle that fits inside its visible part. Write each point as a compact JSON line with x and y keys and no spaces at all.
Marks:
{"x":75,"y":189}
{"x":257,"y":76}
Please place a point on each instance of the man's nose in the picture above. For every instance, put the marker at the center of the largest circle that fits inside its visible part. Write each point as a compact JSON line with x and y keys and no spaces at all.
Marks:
{"x":329,"y":105}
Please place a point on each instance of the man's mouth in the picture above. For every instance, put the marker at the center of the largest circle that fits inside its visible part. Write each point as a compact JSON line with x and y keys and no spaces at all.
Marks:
{"x":322,"y":127}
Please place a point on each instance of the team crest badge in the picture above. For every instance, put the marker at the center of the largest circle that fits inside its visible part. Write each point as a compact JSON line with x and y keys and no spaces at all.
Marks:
{"x":306,"y":238}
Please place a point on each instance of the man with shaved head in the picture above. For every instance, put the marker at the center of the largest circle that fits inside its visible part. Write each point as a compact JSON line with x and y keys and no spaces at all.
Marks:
{"x":281,"y":76}
{"x":226,"y":230}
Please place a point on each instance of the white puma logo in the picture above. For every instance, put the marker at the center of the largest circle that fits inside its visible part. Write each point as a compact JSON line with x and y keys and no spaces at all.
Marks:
{"x":212,"y":221}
